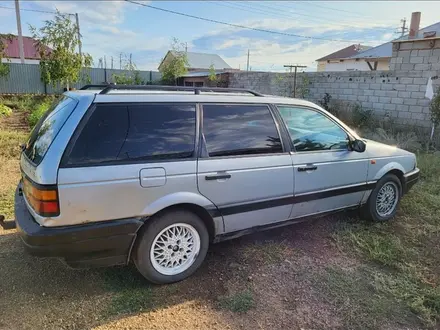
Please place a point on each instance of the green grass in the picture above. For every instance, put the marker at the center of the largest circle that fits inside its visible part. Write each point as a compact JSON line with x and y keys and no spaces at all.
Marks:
{"x":34,"y":105}
{"x":358,"y":303}
{"x":37,"y":112}
{"x":9,"y":169}
{"x":239,"y":302}
{"x":130,"y":292}
{"x":267,"y":252}
{"x":405,"y":252}
{"x":5,"y":110}
{"x":10,"y":143}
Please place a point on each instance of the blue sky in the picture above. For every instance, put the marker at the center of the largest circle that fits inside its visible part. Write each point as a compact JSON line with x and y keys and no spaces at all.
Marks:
{"x":110,"y":28}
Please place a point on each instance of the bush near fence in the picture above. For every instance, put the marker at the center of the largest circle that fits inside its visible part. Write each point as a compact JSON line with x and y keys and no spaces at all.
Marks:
{"x":26,"y":79}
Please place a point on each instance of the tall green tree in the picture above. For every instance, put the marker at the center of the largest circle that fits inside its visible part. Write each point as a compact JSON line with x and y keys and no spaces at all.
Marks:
{"x":212,"y":76}
{"x":176,"y":65}
{"x":4,"y":67}
{"x":57,"y":42}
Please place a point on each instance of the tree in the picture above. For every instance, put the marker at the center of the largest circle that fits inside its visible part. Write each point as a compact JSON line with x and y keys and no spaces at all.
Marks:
{"x":4,"y":67}
{"x":132,"y":77}
{"x":60,"y":64}
{"x":176,"y":65}
{"x":212,"y":76}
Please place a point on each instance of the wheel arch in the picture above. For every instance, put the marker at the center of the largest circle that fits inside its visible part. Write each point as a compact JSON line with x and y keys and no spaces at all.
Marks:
{"x":198,"y":210}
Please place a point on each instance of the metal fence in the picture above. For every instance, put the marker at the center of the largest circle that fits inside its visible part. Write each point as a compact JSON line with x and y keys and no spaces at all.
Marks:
{"x":26,"y":79}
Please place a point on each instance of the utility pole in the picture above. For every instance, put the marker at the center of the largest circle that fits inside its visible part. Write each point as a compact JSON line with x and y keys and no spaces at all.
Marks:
{"x":79,"y":35}
{"x":186,"y":47}
{"x":112,"y":62}
{"x":247,"y":66}
{"x":403,"y":27}
{"x":120,"y":61}
{"x":20,"y":35}
{"x":130,"y":61}
{"x":294,"y":76}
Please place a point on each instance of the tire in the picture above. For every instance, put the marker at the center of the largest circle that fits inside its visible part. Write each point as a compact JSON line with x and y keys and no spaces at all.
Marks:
{"x":183,"y":231}
{"x":376,"y":213}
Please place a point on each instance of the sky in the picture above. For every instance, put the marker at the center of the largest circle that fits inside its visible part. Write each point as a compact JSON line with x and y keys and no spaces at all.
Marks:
{"x":309,"y":29}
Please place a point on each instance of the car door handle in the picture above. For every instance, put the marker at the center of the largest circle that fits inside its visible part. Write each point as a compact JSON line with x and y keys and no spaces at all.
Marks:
{"x":217,"y":177}
{"x":307,"y":168}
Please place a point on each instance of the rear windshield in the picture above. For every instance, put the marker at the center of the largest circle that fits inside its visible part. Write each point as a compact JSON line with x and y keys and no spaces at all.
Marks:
{"x":47,"y":128}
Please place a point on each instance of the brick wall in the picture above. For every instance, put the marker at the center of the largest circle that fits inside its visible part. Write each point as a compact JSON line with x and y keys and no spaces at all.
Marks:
{"x":398,"y":93}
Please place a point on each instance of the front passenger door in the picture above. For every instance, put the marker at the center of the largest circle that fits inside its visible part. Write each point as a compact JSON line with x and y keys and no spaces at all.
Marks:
{"x":244,"y":169}
{"x":328,"y":175}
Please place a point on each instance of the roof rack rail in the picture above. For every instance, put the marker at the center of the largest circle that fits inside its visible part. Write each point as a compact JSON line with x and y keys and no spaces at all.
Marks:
{"x":196,"y":90}
{"x":85,"y":87}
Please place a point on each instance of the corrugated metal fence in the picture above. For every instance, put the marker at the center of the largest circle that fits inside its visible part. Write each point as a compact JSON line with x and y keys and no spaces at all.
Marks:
{"x":26,"y":79}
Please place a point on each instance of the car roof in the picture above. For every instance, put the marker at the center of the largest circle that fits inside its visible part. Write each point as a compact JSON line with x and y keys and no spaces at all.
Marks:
{"x":118,"y":96}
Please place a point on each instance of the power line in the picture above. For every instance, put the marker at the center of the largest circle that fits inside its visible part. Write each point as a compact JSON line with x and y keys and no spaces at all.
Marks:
{"x":317,"y":18}
{"x":337,"y":9}
{"x":237,"y":25}
{"x":37,"y":11}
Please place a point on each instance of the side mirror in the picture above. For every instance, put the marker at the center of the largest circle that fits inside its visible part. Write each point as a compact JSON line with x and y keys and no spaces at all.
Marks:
{"x":358,"y":145}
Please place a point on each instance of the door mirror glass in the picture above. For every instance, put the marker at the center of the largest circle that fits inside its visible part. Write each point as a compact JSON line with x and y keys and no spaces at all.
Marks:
{"x":358,"y":145}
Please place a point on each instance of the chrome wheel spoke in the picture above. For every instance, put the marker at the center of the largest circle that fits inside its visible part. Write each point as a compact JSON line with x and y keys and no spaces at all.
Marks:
{"x":387,"y":199}
{"x":175,"y":249}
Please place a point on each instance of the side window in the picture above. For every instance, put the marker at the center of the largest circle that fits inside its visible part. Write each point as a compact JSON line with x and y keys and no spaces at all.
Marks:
{"x":136,"y":133}
{"x":231,"y":130}
{"x":312,"y":131}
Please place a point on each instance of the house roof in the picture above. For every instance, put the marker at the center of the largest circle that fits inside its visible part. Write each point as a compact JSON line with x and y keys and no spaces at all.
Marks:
{"x":201,"y":73}
{"x":386,"y":49}
{"x":345,"y":52}
{"x":204,"y":61}
{"x":12,"y":48}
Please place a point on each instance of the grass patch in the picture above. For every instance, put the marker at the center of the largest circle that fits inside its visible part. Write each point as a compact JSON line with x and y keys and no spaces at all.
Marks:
{"x":130,"y":291}
{"x":9,"y":169}
{"x":239,"y":302}
{"x":358,"y":304}
{"x":267,"y":252}
{"x":5,"y":110}
{"x":405,"y":251}
{"x":10,"y":143}
{"x":34,"y":105}
{"x":423,"y":300}
{"x":37,"y":112}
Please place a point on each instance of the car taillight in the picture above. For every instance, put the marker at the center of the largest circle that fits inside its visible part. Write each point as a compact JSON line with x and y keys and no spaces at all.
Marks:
{"x":43,"y":199}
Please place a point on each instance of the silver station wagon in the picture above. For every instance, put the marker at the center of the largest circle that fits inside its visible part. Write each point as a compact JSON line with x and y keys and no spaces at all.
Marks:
{"x":154,"y":174}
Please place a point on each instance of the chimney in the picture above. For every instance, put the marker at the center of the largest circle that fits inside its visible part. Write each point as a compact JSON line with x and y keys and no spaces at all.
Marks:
{"x":415,"y":24}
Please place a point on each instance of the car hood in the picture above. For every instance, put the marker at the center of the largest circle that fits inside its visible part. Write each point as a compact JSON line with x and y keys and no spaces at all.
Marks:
{"x":377,"y":149}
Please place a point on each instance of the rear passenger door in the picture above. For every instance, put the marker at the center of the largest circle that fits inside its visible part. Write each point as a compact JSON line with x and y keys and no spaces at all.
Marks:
{"x":124,"y":157}
{"x":243,"y":168}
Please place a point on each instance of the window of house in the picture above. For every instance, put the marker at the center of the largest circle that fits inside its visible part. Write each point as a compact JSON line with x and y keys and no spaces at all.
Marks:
{"x":118,"y":133}
{"x":198,"y":84}
{"x":189,"y":83}
{"x":312,"y":131}
{"x":231,"y":130}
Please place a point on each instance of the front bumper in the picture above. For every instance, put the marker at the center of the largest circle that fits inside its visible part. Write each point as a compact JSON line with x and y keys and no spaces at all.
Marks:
{"x":410,"y":179}
{"x":104,"y":243}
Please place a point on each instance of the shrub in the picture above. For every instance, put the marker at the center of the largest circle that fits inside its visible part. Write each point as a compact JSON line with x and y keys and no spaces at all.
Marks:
{"x":5,"y":110}
{"x":37,"y":113}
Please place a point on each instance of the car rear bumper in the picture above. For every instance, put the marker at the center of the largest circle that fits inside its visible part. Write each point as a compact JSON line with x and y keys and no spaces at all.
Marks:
{"x":94,"y":244}
{"x":410,"y":179}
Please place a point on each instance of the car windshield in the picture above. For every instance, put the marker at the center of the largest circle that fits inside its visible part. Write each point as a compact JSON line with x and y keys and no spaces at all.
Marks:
{"x":47,"y":128}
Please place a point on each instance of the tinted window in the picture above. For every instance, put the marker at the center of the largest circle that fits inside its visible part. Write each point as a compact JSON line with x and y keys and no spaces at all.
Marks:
{"x":239,"y":130}
{"x":312,"y":131}
{"x":136,"y":133}
{"x":47,"y":128}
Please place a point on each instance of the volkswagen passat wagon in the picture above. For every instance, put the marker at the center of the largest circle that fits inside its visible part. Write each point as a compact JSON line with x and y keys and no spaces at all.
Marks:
{"x":155,"y":174}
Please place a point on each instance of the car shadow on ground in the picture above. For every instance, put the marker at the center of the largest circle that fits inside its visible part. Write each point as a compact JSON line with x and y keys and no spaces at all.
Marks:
{"x":44,"y":293}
